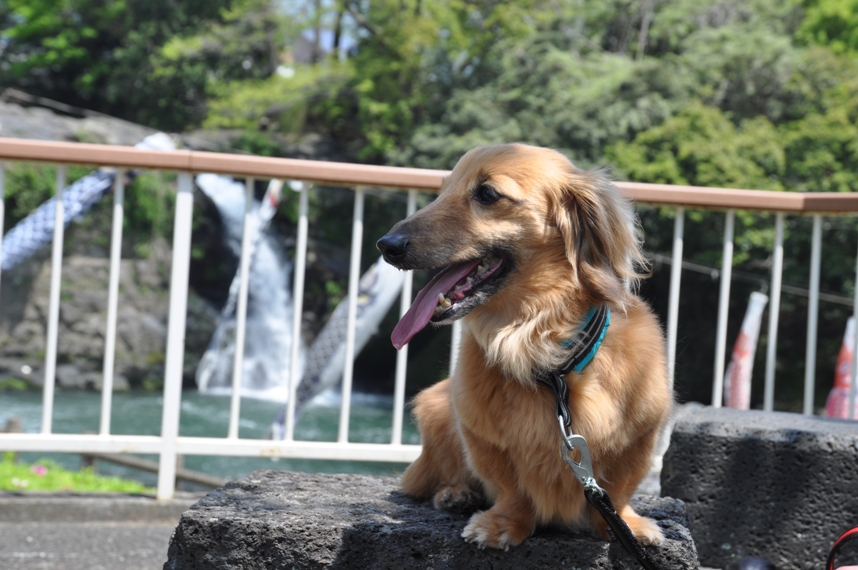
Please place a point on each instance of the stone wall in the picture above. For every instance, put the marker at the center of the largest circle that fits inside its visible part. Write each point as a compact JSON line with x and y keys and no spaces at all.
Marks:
{"x":141,"y":321}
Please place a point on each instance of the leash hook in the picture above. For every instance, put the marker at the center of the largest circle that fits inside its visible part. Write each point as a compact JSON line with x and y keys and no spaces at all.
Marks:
{"x":583,"y":469}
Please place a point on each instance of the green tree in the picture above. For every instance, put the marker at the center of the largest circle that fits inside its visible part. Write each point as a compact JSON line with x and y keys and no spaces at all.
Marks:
{"x":150,"y":61}
{"x":700,"y":146}
{"x":832,"y":23}
{"x":408,"y":56}
{"x":548,"y":95}
{"x":592,"y":75}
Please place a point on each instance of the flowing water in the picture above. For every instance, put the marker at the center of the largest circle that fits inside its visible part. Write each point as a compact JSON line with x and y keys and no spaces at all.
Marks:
{"x":139,"y":413}
{"x":268,"y":342}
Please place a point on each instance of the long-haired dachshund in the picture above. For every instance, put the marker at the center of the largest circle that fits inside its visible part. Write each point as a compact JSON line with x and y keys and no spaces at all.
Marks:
{"x":529,"y":244}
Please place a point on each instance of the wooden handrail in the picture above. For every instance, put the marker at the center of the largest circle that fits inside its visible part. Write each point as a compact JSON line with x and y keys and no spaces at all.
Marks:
{"x":729,"y":198}
{"x":345,"y":174}
{"x":335,"y":173}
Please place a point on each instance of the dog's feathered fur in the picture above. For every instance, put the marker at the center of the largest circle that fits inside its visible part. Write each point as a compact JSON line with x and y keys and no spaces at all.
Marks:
{"x":490,"y":434}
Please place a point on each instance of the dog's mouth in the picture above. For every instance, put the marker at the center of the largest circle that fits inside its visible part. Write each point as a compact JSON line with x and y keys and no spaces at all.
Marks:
{"x":451,"y":294}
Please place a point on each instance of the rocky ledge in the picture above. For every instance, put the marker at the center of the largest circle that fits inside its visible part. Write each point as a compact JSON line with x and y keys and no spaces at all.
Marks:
{"x":278,"y":519}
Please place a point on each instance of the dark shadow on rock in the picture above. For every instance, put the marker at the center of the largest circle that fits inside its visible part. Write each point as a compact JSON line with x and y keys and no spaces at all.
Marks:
{"x":421,"y":536}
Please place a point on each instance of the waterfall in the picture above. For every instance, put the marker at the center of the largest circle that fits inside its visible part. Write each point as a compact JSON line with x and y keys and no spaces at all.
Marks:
{"x":268,"y":337}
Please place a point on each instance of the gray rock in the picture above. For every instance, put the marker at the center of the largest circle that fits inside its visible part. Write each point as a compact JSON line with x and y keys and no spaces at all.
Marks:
{"x":279,"y":519}
{"x":120,"y":383}
{"x":773,"y":485}
{"x":38,"y":123}
{"x":69,"y":376}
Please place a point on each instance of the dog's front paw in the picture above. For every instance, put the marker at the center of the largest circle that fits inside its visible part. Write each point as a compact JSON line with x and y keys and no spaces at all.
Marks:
{"x":457,"y":499}
{"x":644,"y":528}
{"x":495,"y":530}
{"x":646,"y":531}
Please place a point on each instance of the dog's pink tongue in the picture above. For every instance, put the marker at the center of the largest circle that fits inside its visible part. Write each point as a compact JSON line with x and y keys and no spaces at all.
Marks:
{"x":423,"y":307}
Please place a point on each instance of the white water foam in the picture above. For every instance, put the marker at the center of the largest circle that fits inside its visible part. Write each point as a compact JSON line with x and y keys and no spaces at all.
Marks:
{"x":268,"y":337}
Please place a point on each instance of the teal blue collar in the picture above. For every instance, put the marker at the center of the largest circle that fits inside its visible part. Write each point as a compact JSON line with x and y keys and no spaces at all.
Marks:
{"x":586,"y":342}
{"x":583,"y":346}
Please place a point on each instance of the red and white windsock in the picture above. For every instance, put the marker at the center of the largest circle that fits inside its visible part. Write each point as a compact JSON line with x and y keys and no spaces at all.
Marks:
{"x":837,"y":405}
{"x":737,"y":378}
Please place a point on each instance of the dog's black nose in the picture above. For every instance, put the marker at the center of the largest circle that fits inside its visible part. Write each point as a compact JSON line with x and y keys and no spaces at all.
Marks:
{"x":393,"y":246}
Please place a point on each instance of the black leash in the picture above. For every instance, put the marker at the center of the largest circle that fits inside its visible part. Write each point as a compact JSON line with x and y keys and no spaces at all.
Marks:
{"x":596,"y":495}
{"x":599,"y":498}
{"x":586,"y":339}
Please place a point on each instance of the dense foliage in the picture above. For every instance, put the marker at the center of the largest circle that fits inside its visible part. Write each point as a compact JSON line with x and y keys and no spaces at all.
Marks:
{"x":150,"y":61}
{"x":732,"y":93}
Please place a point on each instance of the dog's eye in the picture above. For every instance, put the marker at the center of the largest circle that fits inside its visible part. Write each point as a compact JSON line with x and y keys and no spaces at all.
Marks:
{"x":486,"y":195}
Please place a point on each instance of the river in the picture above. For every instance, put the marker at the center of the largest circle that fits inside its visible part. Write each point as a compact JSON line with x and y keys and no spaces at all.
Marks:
{"x":139,"y":413}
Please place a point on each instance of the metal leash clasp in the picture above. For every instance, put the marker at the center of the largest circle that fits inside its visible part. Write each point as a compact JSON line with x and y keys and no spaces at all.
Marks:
{"x":583,"y":469}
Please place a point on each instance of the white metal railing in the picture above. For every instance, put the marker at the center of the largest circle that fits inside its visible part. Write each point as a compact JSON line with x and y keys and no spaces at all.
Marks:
{"x":112,"y":301}
{"x":723,"y":304}
{"x":54,"y":307}
{"x":169,"y":444}
{"x":673,"y":299}
{"x":298,"y":300}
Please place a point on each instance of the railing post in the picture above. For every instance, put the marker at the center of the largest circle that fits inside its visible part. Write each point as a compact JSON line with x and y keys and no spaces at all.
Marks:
{"x":774,"y":313}
{"x":298,"y":309}
{"x":673,"y":300}
{"x":176,"y":336}
{"x":54,"y":308}
{"x":854,"y":376}
{"x":723,"y":309}
{"x":112,"y":301}
{"x":354,"y":279}
{"x":2,"y":208}
{"x":241,"y":311}
{"x":402,"y":355}
{"x":812,"y":315}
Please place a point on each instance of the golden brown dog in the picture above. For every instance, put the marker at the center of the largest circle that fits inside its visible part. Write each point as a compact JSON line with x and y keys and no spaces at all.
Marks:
{"x":530,"y":243}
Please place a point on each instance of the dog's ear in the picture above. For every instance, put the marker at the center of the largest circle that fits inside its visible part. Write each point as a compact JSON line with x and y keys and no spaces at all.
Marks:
{"x":601,"y":235}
